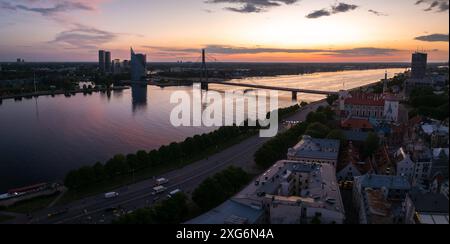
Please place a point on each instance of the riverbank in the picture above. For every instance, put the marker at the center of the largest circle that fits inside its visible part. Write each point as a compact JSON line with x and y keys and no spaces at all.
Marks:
{"x":60,"y":92}
{"x":97,"y":126}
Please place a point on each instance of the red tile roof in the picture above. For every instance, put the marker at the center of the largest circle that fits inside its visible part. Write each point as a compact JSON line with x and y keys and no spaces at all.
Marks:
{"x":356,"y":124}
{"x":351,"y":156}
{"x":365,"y":99}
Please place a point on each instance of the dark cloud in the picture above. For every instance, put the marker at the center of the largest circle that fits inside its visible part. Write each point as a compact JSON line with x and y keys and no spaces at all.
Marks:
{"x":231,"y":50}
{"x":52,"y":9}
{"x":318,"y":13}
{"x":335,"y":9}
{"x":377,"y":13}
{"x":434,"y":5}
{"x":365,"y":51}
{"x":252,"y":6}
{"x":343,"y":7}
{"x":84,"y":37}
{"x":433,"y":38}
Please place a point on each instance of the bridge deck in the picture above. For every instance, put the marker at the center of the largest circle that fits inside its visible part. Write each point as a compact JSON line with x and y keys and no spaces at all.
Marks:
{"x":296,"y":90}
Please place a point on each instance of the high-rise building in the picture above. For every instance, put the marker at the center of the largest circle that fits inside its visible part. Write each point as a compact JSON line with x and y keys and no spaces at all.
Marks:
{"x":419,"y":65}
{"x":107,"y":61}
{"x":138,"y":66}
{"x":126,"y":64}
{"x":101,"y":60}
{"x":418,"y":73}
{"x":116,"y":66}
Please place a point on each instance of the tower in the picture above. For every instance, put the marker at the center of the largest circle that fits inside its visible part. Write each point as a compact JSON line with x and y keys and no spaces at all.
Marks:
{"x":204,"y":71}
{"x":138,"y":67}
{"x":107,"y":61}
{"x":385,"y":83}
{"x":419,"y":65}
{"x":101,"y":60}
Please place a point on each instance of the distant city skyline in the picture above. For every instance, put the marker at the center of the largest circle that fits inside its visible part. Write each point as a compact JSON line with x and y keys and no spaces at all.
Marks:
{"x":240,"y":31}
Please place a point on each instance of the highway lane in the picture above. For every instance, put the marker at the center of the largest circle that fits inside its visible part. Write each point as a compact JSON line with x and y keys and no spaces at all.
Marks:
{"x":139,"y":195}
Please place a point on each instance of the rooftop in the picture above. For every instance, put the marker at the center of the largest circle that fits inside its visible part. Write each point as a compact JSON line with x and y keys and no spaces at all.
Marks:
{"x":438,"y":152}
{"x":377,"y":203}
{"x":321,"y":189}
{"x":314,"y":148}
{"x":430,"y":202}
{"x":365,"y":99}
{"x":356,"y":136}
{"x":351,"y":156}
{"x":230,"y":212}
{"x":430,"y":219}
{"x":380,"y":181}
{"x":434,"y":128}
{"x":356,"y":123}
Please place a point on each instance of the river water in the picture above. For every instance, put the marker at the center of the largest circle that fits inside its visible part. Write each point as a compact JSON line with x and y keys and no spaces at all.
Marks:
{"x":41,"y":140}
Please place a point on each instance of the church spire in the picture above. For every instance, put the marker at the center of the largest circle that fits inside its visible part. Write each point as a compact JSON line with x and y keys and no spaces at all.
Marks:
{"x":385,"y":83}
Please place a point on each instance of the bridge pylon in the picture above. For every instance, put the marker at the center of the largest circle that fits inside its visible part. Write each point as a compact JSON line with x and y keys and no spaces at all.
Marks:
{"x":294,"y":96}
{"x":204,"y":79}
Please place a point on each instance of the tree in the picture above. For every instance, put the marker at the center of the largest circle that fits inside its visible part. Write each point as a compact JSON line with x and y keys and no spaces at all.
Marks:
{"x":372,"y":144}
{"x":317,"y":130}
{"x":172,"y":211}
{"x":337,"y":135}
{"x":317,"y":117}
{"x":99,"y":171}
{"x":303,"y":104}
{"x":208,"y":195}
{"x":217,"y":189}
{"x":317,"y":220}
{"x":332,"y":98}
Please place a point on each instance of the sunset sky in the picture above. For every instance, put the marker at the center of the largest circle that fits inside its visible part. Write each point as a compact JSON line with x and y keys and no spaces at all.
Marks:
{"x":231,"y":30}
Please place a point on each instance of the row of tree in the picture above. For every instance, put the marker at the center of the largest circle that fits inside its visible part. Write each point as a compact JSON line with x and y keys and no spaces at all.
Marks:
{"x":178,"y":209}
{"x":166,"y":156}
{"x":426,"y":103}
{"x":169,"y":156}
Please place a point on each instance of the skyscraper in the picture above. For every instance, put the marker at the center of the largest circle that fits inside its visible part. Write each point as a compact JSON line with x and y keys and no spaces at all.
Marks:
{"x":138,"y":66}
{"x":101,"y":60}
{"x":116,"y":66}
{"x":419,"y":65}
{"x":107,"y":61}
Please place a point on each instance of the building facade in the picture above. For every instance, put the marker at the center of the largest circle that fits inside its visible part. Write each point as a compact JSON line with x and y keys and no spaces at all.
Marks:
{"x":107,"y":62}
{"x":323,"y":151}
{"x":138,"y":67}
{"x":101,"y":60}
{"x":404,"y":164}
{"x":419,"y":65}
{"x":366,"y":106}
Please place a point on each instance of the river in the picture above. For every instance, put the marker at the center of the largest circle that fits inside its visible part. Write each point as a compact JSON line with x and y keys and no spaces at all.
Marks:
{"x":41,"y":140}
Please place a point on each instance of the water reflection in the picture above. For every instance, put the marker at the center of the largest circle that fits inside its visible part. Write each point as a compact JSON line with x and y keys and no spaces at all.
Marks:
{"x":139,"y":96}
{"x":59,"y":134}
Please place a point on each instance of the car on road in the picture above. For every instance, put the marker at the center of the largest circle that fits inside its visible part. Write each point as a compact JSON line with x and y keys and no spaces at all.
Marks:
{"x":110,"y":195}
{"x":58,"y":213}
{"x":161,"y":181}
{"x":158,"y":190}
{"x":173,"y":193}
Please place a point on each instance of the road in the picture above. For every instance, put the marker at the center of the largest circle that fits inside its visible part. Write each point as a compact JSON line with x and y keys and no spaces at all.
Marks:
{"x":98,"y":210}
